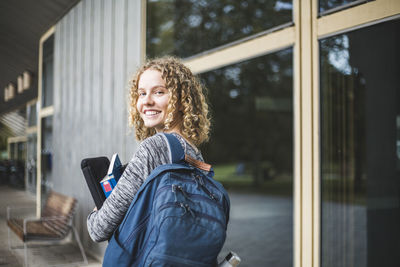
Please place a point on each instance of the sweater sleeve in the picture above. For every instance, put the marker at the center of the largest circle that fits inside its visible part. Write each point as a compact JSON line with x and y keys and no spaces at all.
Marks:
{"x":152,"y":152}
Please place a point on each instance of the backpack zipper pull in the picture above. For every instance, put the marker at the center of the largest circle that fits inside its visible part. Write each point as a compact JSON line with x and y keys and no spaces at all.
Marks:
{"x":205,"y":189}
{"x":196,"y":181}
{"x":184,"y":193}
{"x":183,"y":207}
{"x":200,"y":179}
{"x":174,"y":191}
{"x":186,"y":208}
{"x":176,"y":188}
{"x":211,"y":195}
{"x":190,"y":210}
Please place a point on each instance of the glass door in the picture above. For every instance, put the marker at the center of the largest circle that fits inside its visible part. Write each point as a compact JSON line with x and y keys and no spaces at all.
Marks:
{"x":360,"y":174}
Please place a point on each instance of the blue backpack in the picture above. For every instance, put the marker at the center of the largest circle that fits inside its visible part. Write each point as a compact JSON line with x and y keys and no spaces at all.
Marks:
{"x":178,"y":217}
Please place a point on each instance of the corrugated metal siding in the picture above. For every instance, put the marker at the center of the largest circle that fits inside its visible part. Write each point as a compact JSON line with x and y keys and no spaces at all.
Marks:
{"x":97,"y":46}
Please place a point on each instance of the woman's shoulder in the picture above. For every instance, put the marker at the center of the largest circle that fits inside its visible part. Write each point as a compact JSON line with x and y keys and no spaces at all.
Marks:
{"x":154,"y":139}
{"x":158,"y":144}
{"x":152,"y":151}
{"x":155,"y":142}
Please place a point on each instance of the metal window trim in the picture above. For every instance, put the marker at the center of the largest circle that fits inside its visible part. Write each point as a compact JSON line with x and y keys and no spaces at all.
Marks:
{"x":239,"y":41}
{"x":342,"y":7}
{"x":247,"y":50}
{"x":357,"y":17}
{"x":43,"y":112}
{"x":143,"y":50}
{"x":31,"y":130}
{"x":361,"y":26}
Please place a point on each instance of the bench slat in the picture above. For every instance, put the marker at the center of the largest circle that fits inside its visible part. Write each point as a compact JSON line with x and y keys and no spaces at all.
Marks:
{"x":35,"y":230}
{"x":57,"y":205}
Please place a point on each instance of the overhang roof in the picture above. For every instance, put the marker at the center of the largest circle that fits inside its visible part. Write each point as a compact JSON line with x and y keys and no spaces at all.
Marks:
{"x":22,"y":23}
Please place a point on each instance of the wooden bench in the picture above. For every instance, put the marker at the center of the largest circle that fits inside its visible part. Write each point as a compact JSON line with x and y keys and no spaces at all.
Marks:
{"x":54,"y":224}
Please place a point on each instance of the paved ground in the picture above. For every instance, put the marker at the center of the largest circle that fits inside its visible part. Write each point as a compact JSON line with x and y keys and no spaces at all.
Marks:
{"x":260,"y":231}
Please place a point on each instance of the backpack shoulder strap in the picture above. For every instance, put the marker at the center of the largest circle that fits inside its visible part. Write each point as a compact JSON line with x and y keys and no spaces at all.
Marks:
{"x":178,"y":153}
{"x":176,"y":150}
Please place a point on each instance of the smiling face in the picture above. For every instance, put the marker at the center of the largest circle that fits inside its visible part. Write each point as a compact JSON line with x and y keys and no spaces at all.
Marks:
{"x":179,"y":105}
{"x":153,"y":97}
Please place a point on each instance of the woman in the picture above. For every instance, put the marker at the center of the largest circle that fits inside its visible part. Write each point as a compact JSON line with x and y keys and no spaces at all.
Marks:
{"x":164,"y":97}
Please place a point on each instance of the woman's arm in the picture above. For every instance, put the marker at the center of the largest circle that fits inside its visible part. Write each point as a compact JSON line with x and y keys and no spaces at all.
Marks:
{"x":152,"y":152}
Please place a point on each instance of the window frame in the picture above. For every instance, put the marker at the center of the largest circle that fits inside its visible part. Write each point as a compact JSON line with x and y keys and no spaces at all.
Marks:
{"x":43,"y":112}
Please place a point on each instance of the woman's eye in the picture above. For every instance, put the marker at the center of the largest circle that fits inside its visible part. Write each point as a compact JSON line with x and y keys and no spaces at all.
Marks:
{"x":159,"y":92}
{"x":142,"y":94}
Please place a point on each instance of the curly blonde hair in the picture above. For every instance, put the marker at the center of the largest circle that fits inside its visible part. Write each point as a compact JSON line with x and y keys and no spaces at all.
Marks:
{"x":187,"y":96}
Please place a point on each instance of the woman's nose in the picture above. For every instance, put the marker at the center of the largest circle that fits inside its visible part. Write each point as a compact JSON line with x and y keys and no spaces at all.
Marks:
{"x":148,"y":100}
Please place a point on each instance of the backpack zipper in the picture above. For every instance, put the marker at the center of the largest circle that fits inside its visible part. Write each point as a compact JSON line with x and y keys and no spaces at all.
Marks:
{"x":203,"y":187}
{"x":188,"y":195}
{"x":138,"y":228}
{"x":179,"y":188}
{"x":197,"y":178}
{"x":187,"y":208}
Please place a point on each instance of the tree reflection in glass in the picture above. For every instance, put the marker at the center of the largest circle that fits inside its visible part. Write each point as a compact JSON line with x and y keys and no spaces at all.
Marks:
{"x":252,"y":110}
{"x":184,"y":28}
{"x":360,"y":107}
{"x":251,"y":149}
{"x":325,"y":5}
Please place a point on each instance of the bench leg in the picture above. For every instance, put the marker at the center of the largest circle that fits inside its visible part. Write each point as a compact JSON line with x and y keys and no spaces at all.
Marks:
{"x":26,"y":254}
{"x":78,"y":240}
{"x":9,"y":238}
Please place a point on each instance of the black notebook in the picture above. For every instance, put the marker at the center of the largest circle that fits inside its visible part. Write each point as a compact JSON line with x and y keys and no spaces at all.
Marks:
{"x":94,"y":170}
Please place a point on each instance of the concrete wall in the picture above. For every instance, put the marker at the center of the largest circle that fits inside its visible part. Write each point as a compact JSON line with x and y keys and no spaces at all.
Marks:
{"x":97,"y":48}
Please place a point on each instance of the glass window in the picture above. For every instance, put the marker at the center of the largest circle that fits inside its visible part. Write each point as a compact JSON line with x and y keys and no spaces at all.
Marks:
{"x":184,"y":28}
{"x":13,"y":153}
{"x":31,"y":162}
{"x":251,"y":149}
{"x":48,"y":72}
{"x":328,"y":6}
{"x":47,"y":153}
{"x":21,"y":151}
{"x":360,"y":105}
{"x":32,"y":115}
{"x":16,"y":165}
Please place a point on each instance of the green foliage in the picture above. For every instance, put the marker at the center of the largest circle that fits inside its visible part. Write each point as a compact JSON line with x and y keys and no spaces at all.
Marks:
{"x":184,"y":28}
{"x":244,"y":130}
{"x":275,"y":185}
